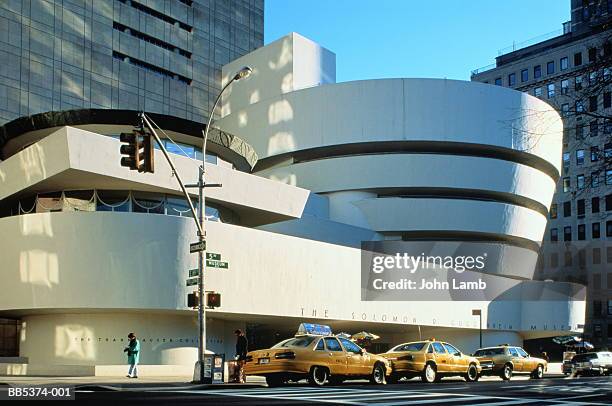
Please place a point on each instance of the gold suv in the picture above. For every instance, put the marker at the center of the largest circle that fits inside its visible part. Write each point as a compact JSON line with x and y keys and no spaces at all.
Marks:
{"x":431,"y":360}
{"x":318,"y":359}
{"x":506,"y":360}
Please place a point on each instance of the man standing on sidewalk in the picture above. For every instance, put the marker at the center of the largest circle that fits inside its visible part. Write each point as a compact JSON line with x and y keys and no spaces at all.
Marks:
{"x":133,"y":353}
{"x":241,"y":352}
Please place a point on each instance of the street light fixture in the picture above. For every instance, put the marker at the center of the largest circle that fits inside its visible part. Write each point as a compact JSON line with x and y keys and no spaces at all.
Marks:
{"x":243,"y":73}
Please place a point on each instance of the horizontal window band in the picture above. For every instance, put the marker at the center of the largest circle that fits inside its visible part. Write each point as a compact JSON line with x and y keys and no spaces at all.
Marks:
{"x":468,"y":236}
{"x":147,"y":66}
{"x":152,"y":40}
{"x":463,"y":194}
{"x":413,"y":147}
{"x":160,"y":15}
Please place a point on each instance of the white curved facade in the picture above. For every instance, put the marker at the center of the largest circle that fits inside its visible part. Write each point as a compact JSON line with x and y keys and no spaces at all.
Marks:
{"x":338,"y":164}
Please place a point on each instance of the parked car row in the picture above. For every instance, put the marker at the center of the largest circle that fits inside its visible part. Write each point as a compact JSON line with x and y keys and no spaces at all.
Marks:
{"x":589,"y":364}
{"x":323,"y":359}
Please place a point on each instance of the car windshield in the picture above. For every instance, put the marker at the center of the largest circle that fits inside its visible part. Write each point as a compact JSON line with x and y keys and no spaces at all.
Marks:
{"x":584,"y":357}
{"x":487,"y":352}
{"x":296,"y":342}
{"x":409,"y":347}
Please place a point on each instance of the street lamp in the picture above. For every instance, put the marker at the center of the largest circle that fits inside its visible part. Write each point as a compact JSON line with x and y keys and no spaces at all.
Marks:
{"x":243,"y":73}
{"x":478,"y":312}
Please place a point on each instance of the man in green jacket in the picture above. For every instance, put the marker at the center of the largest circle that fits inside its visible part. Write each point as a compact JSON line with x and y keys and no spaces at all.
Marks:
{"x":133,"y":353}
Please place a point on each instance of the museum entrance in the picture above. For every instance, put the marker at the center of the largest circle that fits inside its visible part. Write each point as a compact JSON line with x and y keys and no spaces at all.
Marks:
{"x":9,"y":337}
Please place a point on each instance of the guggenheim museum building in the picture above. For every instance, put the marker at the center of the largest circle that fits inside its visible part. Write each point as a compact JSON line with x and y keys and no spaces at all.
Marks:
{"x":310,"y":169}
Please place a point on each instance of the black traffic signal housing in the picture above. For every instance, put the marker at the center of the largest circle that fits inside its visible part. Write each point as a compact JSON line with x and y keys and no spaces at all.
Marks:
{"x":213,"y":300}
{"x":193,"y":299}
{"x":138,"y":151}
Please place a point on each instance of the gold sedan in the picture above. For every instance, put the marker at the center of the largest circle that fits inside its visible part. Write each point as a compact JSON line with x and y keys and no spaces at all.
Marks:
{"x":318,"y":359}
{"x":431,"y":360}
{"x":505,"y":360}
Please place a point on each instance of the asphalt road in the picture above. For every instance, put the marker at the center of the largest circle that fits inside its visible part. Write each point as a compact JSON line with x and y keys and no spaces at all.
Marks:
{"x":550,"y":391}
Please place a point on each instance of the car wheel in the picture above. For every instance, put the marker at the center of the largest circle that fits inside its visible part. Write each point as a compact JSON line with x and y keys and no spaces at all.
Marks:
{"x":538,"y":373}
{"x":429,"y":373}
{"x":378,"y":375}
{"x":275,"y":380}
{"x":318,"y":376}
{"x":506,"y":372}
{"x":472,"y":374}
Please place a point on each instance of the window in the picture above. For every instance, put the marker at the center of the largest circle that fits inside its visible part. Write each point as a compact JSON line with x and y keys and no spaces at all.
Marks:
{"x":608,"y":150}
{"x":580,"y":157}
{"x":579,"y":106}
{"x":596,"y":256}
{"x":609,"y":255}
{"x":607,"y":100}
{"x":579,"y":132}
{"x":537,"y":72}
{"x":564,"y":86}
{"x":609,"y":228}
{"x":554,"y":260}
{"x":332,"y":344}
{"x":608,"y":176}
{"x":567,"y":257}
{"x":498,"y":82}
{"x":563,"y":63}
{"x":594,"y":179}
{"x":608,"y":202}
{"x":550,"y":68}
{"x":551,"y":90}
{"x":594,"y":154}
{"x":592,"y":54}
{"x":592,"y":78}
{"x":581,"y":252}
{"x":320,"y":345}
{"x":607,"y":126}
{"x":581,"y":232}
{"x":566,"y":161}
{"x":580,"y":207}
{"x":537,"y":92}
{"x":566,"y":184}
{"x":593,"y":128}
{"x":609,"y":308}
{"x":451,"y":349}
{"x":596,"y":308}
{"x":578,"y":59}
{"x":565,"y":110}
{"x":512,"y":79}
{"x":580,"y":182}
{"x":554,"y":234}
{"x":595,"y":205}
{"x":578,"y":82}
{"x":595,"y":230}
{"x":567,"y":233}
{"x":593,"y":103}
{"x":438,"y":348}
{"x":553,"y":211}
{"x":350,"y":346}
{"x":524,"y":75}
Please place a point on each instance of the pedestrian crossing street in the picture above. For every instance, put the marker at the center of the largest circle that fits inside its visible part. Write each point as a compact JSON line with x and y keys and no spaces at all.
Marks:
{"x":399,"y":395}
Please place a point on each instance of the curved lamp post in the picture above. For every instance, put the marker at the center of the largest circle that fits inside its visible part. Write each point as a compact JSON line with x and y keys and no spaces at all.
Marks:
{"x":243,"y":73}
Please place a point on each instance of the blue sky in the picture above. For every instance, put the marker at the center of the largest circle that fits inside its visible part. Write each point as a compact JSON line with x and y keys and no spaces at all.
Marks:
{"x":412,"y":38}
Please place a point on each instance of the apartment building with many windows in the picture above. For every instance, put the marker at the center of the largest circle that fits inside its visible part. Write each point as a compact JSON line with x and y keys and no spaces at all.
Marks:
{"x":572,"y":72}
{"x":156,"y":55}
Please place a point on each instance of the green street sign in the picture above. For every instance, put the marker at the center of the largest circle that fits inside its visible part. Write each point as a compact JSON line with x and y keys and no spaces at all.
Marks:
{"x":223,"y":265}
{"x":213,"y":256}
{"x":192,"y":281}
{"x":194,"y":272}
{"x":210,"y":263}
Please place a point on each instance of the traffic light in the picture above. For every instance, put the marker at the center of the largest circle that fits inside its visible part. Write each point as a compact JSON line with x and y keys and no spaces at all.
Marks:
{"x":213,"y":300}
{"x":138,"y":151}
{"x":192,"y":299}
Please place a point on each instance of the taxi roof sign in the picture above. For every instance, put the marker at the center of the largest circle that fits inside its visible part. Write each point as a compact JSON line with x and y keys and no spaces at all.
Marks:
{"x":314,"y":329}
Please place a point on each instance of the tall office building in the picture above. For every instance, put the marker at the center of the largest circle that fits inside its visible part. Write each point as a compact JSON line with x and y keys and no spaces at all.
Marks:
{"x":163,"y":56}
{"x":572,"y":72}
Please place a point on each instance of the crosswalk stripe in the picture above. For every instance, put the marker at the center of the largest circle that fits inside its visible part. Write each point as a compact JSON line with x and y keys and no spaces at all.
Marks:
{"x":437,"y":400}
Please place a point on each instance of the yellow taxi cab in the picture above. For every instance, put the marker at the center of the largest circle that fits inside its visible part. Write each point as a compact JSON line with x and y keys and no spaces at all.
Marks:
{"x":506,"y":360}
{"x":431,"y":360}
{"x":319,"y":356}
